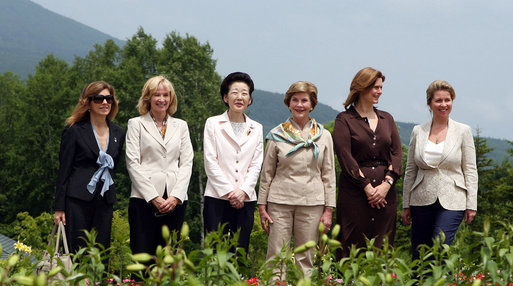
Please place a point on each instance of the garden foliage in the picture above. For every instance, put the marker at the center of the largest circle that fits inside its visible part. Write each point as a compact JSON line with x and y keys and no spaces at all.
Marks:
{"x":488,"y":261}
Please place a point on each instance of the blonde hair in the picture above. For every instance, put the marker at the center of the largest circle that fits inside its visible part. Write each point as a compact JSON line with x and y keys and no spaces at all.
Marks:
{"x":302,"y":86}
{"x":82,"y":107}
{"x":439,"y":85}
{"x":149,"y":89}
{"x":362,"y":81}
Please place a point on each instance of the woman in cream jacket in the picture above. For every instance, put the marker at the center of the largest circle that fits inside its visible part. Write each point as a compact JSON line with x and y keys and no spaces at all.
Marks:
{"x":440,"y":183}
{"x":159,"y":161}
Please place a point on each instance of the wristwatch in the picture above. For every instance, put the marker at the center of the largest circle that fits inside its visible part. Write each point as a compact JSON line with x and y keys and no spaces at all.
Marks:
{"x":390,"y":181}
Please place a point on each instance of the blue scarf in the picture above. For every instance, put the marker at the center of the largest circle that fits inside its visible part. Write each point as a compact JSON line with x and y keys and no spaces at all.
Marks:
{"x":104,"y":161}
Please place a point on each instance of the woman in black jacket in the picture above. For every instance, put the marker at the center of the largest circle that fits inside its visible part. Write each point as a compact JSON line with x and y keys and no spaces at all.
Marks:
{"x":91,"y":146}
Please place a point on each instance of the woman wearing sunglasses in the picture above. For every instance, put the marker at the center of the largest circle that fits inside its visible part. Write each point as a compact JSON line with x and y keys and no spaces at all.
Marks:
{"x":159,"y":161}
{"x":91,"y":146}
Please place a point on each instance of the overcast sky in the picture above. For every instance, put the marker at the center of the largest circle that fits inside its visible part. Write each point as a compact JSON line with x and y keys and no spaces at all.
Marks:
{"x":413,"y":42}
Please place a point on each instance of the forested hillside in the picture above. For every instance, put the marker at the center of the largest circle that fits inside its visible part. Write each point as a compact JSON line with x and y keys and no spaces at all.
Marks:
{"x":29,"y":32}
{"x":268,"y":108}
{"x":32,"y":113}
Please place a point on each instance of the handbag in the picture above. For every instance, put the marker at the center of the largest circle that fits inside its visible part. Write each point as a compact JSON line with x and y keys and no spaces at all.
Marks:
{"x":48,"y":263}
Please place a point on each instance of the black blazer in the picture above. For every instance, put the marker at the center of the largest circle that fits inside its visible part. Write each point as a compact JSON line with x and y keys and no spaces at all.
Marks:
{"x":78,"y":155}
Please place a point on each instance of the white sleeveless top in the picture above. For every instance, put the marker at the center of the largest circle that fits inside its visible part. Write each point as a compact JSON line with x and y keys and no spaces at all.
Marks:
{"x":433,"y":153}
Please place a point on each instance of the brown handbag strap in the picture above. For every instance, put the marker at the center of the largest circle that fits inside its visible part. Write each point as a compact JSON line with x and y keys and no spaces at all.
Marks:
{"x":61,"y":233}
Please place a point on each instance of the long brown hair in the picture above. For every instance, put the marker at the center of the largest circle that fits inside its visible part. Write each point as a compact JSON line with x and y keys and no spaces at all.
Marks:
{"x":82,"y":106}
{"x":362,"y":81}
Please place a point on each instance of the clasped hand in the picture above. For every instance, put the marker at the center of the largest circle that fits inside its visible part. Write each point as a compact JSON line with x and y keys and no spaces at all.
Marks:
{"x":236,"y":198}
{"x":165,"y":205}
{"x":376,"y":195}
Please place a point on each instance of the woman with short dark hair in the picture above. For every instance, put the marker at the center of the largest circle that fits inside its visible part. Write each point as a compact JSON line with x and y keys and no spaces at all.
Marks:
{"x":233,"y":147}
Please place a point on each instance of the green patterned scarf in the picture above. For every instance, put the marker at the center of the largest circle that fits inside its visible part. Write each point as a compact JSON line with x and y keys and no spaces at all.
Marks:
{"x":286,"y":132}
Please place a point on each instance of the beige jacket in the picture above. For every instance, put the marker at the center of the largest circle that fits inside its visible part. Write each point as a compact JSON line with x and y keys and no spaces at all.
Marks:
{"x":298,"y":179}
{"x":453,"y":182}
{"x":155,"y":164}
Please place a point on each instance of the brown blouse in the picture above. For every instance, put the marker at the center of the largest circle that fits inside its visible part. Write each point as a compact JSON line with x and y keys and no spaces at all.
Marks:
{"x":359,"y":148}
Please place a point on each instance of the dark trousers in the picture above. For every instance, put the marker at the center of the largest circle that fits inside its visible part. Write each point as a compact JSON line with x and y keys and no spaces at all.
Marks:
{"x":429,"y":221}
{"x":146,"y":225}
{"x":218,"y":211}
{"x":82,"y":215}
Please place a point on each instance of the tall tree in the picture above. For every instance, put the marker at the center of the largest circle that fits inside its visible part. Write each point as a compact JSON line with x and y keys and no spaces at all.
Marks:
{"x":189,"y":65}
{"x":32,"y":155}
{"x":494,"y":199}
{"x":12,"y":93}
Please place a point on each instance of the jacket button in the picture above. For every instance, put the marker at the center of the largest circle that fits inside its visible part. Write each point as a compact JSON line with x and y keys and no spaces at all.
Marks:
{"x":237,"y":161}
{"x":236,"y":171}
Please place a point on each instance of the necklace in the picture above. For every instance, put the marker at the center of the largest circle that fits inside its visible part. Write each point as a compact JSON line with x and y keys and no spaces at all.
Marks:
{"x":162,"y":130}
{"x":439,"y":133}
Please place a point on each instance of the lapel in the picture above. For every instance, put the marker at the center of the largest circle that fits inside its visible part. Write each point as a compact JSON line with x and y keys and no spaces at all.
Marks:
{"x":88,"y":135}
{"x":250,"y":128}
{"x":450,"y":139}
{"x":227,"y":129}
{"x":171,"y":131}
{"x":113,"y":140}
{"x":151,"y":128}
{"x":422,"y":139}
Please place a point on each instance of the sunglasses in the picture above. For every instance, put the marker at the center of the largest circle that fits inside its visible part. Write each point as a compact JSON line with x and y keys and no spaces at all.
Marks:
{"x":98,"y":99}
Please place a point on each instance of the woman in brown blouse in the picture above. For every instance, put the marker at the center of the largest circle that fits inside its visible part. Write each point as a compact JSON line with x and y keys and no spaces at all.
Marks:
{"x":369,"y":151}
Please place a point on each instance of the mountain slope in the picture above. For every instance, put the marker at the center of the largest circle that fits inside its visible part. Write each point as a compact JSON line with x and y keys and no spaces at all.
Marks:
{"x":29,"y":32}
{"x":268,"y":109}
